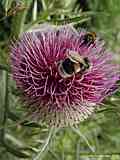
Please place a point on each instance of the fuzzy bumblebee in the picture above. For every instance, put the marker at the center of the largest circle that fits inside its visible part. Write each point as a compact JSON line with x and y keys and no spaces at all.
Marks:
{"x":73,"y":64}
{"x":89,"y":38}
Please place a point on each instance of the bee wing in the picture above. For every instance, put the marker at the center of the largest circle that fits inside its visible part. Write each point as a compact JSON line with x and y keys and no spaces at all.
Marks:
{"x":75,"y":57}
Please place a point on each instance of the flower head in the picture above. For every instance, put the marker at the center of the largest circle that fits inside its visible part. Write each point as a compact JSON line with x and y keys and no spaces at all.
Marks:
{"x":60,"y":100}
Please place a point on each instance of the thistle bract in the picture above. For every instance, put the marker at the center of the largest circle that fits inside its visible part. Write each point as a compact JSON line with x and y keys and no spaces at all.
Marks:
{"x":50,"y":97}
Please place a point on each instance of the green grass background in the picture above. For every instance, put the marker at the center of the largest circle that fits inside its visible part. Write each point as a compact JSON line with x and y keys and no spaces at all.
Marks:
{"x":97,"y":138}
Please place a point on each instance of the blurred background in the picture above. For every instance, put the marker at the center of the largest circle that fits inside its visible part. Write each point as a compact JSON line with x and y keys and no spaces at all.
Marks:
{"x":97,"y":138}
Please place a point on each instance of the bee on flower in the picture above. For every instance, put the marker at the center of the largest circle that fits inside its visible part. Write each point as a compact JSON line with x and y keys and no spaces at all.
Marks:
{"x":62,"y":81}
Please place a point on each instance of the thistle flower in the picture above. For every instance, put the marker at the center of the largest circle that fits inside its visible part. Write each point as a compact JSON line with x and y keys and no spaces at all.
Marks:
{"x":35,"y":59}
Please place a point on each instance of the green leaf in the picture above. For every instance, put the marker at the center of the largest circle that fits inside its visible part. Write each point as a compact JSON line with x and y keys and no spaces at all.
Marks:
{"x":18,"y":20}
{"x":30,"y":124}
{"x":16,"y":152}
{"x":7,"y":5}
{"x":4,"y":67}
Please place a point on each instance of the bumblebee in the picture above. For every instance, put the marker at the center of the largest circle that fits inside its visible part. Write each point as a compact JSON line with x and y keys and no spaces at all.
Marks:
{"x":88,"y":38}
{"x":73,"y":64}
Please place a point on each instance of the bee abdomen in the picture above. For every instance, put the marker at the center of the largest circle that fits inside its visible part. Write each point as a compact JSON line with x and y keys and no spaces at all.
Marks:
{"x":68,"y":66}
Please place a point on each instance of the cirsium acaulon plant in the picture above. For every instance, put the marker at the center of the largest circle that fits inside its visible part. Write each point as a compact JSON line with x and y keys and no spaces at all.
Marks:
{"x":48,"y":96}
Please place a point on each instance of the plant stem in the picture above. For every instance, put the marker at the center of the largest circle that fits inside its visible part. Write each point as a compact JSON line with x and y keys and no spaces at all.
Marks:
{"x":5,"y":106}
{"x":84,"y":138}
{"x":4,"y":67}
{"x":5,"y":115}
{"x":44,"y":5}
{"x":45,"y":145}
{"x":34,"y":14}
{"x":18,"y":20}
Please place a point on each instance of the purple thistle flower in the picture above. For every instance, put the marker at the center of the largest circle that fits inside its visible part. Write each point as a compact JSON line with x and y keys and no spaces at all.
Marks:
{"x":48,"y":95}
